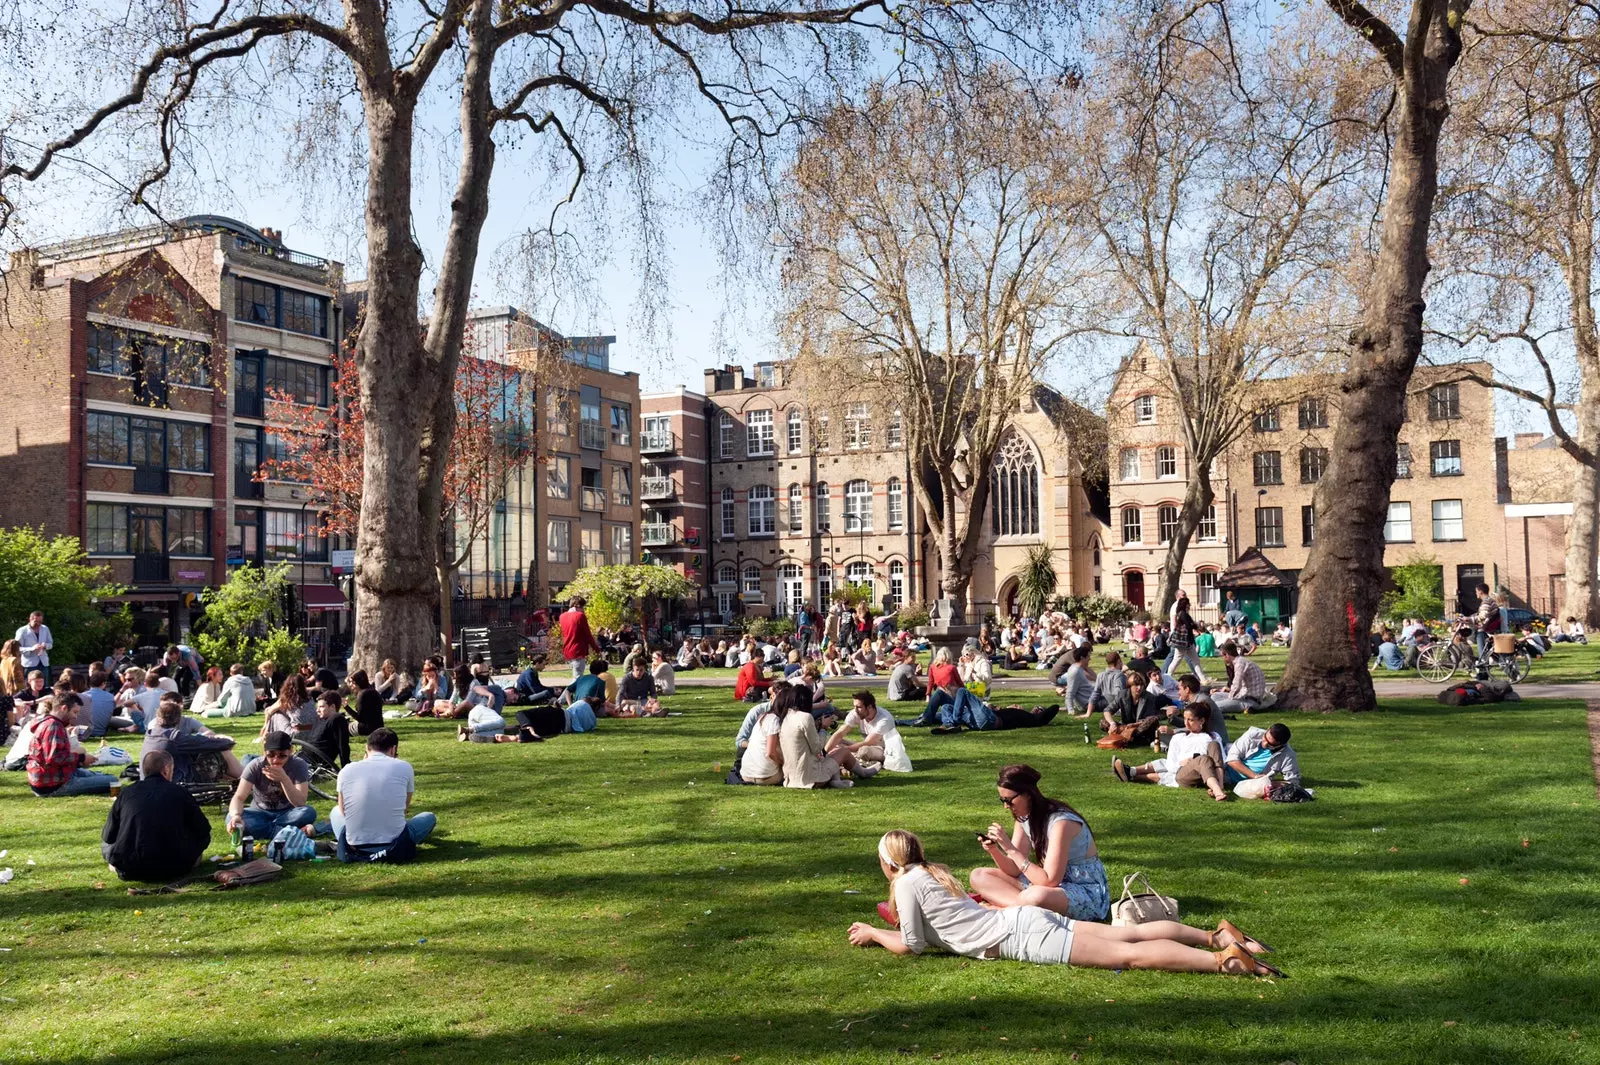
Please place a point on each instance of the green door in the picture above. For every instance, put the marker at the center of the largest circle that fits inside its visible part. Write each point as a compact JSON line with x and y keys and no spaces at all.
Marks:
{"x":1264,"y":606}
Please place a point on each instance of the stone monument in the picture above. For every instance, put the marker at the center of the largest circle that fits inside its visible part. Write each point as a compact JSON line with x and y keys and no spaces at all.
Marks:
{"x":947,"y":627}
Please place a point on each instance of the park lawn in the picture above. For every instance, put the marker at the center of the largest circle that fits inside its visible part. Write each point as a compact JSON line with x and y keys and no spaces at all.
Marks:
{"x":605,"y":898}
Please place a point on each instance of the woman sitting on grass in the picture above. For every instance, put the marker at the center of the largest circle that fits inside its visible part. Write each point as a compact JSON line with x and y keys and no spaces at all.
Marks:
{"x":752,"y":685}
{"x":930,"y":909}
{"x":391,"y":685}
{"x":831,"y":666}
{"x":762,"y":761}
{"x":292,"y":713}
{"x":864,"y":662}
{"x":1063,"y":872}
{"x":806,"y":762}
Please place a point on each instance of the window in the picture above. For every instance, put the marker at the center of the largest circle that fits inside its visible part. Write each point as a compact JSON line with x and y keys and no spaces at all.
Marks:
{"x":622,"y":486}
{"x":275,"y":448}
{"x":727,"y":573}
{"x":791,"y":589}
{"x":107,"y":528}
{"x":188,"y":532}
{"x":1397,"y":530}
{"x":1132,"y":526}
{"x":106,"y":439}
{"x":254,"y":301}
{"x":1444,"y":457}
{"x":1269,"y":526}
{"x":824,"y":517}
{"x":621,"y":424}
{"x":860,"y":575}
{"x":725,"y":436}
{"x":824,"y":585}
{"x":657,"y":433}
{"x":1207,"y":580}
{"x":1266,"y":420}
{"x":727,"y":514}
{"x":244,"y":541}
{"x":1128,"y":464}
{"x":1447,"y":520}
{"x":895,"y":435}
{"x":1402,"y":460}
{"x":291,"y":534}
{"x":751,"y":585}
{"x":896,"y":492}
{"x":299,"y":382}
{"x":1166,"y":462}
{"x":558,"y":542}
{"x":305,"y":313}
{"x":621,"y":545}
{"x":857,"y":506}
{"x":1308,"y":525}
{"x":1313,"y":413}
{"x":1167,"y":524}
{"x":1208,"y":524}
{"x":108,"y":351}
{"x":124,"y":353}
{"x":263,"y":304}
{"x":758,"y":433}
{"x":1269,"y":467}
{"x":797,"y":506}
{"x":558,"y":413}
{"x":857,"y":427}
{"x":1015,"y":504}
{"x":762,"y":508}
{"x":1144,"y":410}
{"x":189,"y":447}
{"x":1313,"y":462}
{"x":820,"y":433}
{"x":897,"y":582}
{"x":1444,"y":402}
{"x":558,"y":477}
{"x":794,"y":421}
{"x":767,"y":375}
{"x":725,"y":605}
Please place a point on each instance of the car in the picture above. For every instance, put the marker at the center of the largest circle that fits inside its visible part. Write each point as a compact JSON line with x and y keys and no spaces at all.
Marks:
{"x":1517,"y":617}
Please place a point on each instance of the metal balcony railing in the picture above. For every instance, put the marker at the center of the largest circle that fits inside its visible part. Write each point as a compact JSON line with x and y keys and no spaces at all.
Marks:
{"x":148,"y":568}
{"x":592,"y":435}
{"x":656,"y":488}
{"x":658,"y":535}
{"x":150,"y":480}
{"x":592,"y":556}
{"x":654,"y":443}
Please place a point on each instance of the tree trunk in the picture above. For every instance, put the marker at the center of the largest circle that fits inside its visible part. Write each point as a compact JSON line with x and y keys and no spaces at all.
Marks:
{"x":1578,"y":597}
{"x":1196,"y":498}
{"x":447,"y":636}
{"x":1339,"y":586}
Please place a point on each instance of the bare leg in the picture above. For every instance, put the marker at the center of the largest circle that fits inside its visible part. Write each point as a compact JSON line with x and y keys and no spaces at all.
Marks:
{"x":997,"y":887}
{"x":1164,"y":954}
{"x":1175,"y":931}
{"x":234,"y":767}
{"x":1049,"y":898}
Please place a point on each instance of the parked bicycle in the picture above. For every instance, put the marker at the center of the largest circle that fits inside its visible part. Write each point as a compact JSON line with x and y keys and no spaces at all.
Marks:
{"x":1439,"y":662}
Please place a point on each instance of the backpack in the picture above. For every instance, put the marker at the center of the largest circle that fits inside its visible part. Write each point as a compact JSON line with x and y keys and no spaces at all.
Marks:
{"x":1283,"y":791}
{"x":291,"y":844}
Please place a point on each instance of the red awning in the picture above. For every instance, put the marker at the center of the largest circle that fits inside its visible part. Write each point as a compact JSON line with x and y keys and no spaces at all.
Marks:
{"x":323,"y":597}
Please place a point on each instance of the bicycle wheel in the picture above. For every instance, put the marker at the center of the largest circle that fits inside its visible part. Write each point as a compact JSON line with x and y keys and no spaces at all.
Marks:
{"x":1516,"y":667}
{"x":1434,"y":666}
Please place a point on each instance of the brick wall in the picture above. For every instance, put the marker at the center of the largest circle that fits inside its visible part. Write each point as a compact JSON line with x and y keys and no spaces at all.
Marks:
{"x":38,"y":461}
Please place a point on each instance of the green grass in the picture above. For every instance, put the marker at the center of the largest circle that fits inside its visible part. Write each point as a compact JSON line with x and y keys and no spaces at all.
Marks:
{"x":604,"y":898}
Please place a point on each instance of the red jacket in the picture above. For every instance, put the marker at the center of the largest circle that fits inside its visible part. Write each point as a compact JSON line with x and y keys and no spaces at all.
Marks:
{"x":576,"y":639}
{"x":749,"y":677}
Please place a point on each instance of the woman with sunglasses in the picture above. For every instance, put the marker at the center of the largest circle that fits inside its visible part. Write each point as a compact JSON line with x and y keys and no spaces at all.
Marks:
{"x":928,"y":908}
{"x":1048,"y":860}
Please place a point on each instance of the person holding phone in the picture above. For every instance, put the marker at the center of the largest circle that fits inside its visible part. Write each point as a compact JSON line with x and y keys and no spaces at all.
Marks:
{"x":1049,"y":859}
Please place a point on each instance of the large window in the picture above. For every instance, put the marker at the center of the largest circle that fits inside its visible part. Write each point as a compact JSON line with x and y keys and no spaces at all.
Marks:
{"x":1132,"y":526}
{"x":727,"y":519}
{"x":1128,"y":464}
{"x":621,"y":425}
{"x":1448,"y":523}
{"x":285,"y":308}
{"x":1208,"y":524}
{"x":1402,"y":460}
{"x":758,"y":433}
{"x":189,"y":446}
{"x":763,"y":508}
{"x":824,"y":585}
{"x":857,"y":427}
{"x":794,"y":421}
{"x":1015,"y":506}
{"x":293,"y":534}
{"x":1269,"y":526}
{"x":857,"y":506}
{"x":621,"y":545}
{"x":819,"y":432}
{"x":558,"y":477}
{"x":126,"y":353}
{"x":725,"y":436}
{"x":895,"y":435}
{"x":622,"y":486}
{"x":558,"y":542}
{"x":824,"y":508}
{"x":106,"y":439}
{"x":1444,"y":402}
{"x":1166,"y":462}
{"x":797,"y":507}
{"x":791,"y":589}
{"x":1313,"y":413}
{"x":751,"y":585}
{"x":1313,"y":463}
{"x":1397,"y":530}
{"x":1308,"y":525}
{"x":305,"y":313}
{"x":1266,"y":420}
{"x":727,"y":573}
{"x":896,"y":492}
{"x":107,"y":529}
{"x":1268,"y":467}
{"x":1206,"y":579}
{"x":255,"y":301}
{"x":1444,"y":458}
{"x":897,"y":582}
{"x":1144,"y":410}
{"x":120,"y":440}
{"x":1167,"y":523}
{"x":188,"y":532}
{"x":860,"y":575}
{"x":302,"y":382}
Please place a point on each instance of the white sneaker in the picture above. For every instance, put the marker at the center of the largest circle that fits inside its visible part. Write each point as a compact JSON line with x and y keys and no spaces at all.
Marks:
{"x":840,"y":782}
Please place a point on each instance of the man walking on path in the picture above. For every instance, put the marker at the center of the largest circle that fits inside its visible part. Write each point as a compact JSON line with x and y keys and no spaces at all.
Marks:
{"x":577,"y":642}
{"x":36,"y":643}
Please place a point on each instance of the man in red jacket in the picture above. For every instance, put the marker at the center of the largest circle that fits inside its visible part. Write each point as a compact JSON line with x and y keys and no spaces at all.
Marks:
{"x":577,"y":642}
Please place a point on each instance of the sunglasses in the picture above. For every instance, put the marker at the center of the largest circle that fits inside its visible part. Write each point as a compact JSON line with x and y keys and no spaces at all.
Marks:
{"x":1007,"y":800}
{"x":277,"y":756}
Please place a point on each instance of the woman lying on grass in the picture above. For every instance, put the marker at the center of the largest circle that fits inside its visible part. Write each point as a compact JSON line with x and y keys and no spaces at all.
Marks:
{"x":932,"y":910}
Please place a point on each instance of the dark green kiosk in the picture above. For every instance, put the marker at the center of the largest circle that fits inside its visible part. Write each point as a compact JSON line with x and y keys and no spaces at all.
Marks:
{"x":1261,"y":589}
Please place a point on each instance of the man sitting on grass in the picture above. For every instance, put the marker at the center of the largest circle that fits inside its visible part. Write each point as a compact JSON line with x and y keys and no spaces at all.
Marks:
{"x":155,"y":831}
{"x":56,"y":760}
{"x":903,"y":686}
{"x":371,"y":820}
{"x":276,"y":786}
{"x":587,"y":699}
{"x":1258,"y":756}
{"x":1246,"y":686}
{"x":1194,"y":758}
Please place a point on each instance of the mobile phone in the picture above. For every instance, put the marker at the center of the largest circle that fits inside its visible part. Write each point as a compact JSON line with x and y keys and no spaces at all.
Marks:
{"x":983,"y":837}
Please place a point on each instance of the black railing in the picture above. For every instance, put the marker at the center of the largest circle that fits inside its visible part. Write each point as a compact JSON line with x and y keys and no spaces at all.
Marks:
{"x":247,"y":404}
{"x":150,"y":480}
{"x":245,"y":486}
{"x":148,"y":568}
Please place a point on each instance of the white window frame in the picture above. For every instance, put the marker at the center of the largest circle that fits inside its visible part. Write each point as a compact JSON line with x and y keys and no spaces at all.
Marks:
{"x":725,"y":435}
{"x":1166,"y":463}
{"x":1392,"y":524}
{"x":1207,"y":530}
{"x":1137,"y":525}
{"x":857,"y":506}
{"x":1459,"y":521}
{"x":1166,"y":529}
{"x":558,"y":477}
{"x":750,"y":580}
{"x":727,"y":574}
{"x":895,"y":434}
{"x":1144,"y":409}
{"x":1206,"y":583}
{"x":1128,"y":465}
{"x":795,"y":420}
{"x":895,"y":493}
{"x":729,"y":524}
{"x":897,"y":582}
{"x":758,"y":434}
{"x":558,"y":542}
{"x":797,"y":508}
{"x":761,"y":510}
{"x":857,"y":427}
{"x":824,"y":585}
{"x":823,"y":504}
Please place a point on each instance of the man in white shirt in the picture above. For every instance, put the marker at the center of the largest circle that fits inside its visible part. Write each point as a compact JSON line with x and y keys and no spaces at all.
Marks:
{"x":371,"y":819}
{"x":238,"y":697}
{"x":36,"y":642}
{"x":1194,"y":757}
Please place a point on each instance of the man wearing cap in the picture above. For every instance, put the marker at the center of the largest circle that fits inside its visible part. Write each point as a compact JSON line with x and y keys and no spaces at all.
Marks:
{"x":276,"y":786}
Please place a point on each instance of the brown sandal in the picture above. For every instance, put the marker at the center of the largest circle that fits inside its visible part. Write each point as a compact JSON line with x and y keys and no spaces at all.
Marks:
{"x":1248,"y":964}
{"x":1243,"y":940}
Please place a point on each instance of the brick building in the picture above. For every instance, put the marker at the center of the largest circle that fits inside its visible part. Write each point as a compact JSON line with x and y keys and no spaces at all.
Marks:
{"x":804,"y":501}
{"x":674,"y":482}
{"x":1444,"y":503}
{"x":1536,"y":490}
{"x":137,"y":364}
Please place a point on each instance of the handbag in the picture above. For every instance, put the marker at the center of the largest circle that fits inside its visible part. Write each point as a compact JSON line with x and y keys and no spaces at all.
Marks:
{"x":1116,"y":739}
{"x":258,"y":871}
{"x":1144,"y":907}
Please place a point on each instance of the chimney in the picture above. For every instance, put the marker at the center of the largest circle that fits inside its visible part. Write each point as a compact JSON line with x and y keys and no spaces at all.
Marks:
{"x":1524,"y":440}
{"x":274,"y":236}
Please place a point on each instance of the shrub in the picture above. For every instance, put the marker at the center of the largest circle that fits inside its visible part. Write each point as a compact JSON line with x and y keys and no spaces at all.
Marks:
{"x":242,"y":614}
{"x":852,"y":595}
{"x":770,"y":628}
{"x":912,"y":615}
{"x":53,"y":575}
{"x":1418,"y":591}
{"x":1037,"y":582}
{"x":1095,"y":609}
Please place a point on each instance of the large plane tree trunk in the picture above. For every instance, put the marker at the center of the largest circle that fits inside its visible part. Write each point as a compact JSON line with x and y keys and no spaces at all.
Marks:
{"x":1339,"y":586}
{"x":1197,"y":497}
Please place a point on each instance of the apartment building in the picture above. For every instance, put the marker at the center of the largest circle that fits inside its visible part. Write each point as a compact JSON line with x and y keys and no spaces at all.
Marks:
{"x":138,"y":363}
{"x":1535,"y":489}
{"x":576,"y":503}
{"x":805,"y":500}
{"x":674,"y":482}
{"x":1257,"y":535}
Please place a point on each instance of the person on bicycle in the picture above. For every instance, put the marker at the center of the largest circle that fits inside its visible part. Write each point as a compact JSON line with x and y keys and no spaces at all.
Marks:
{"x":1490,"y":619}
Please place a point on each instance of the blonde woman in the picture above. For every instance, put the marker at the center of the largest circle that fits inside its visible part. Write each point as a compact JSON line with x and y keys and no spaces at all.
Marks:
{"x":930,"y":909}
{"x":13,"y":678}
{"x":831,"y":666}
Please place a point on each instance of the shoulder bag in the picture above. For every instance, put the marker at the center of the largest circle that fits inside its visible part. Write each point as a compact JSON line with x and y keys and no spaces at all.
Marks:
{"x":1143,"y":907}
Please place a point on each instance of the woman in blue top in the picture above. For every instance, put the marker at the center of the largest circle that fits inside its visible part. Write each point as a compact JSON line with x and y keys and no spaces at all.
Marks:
{"x":1049,"y":860}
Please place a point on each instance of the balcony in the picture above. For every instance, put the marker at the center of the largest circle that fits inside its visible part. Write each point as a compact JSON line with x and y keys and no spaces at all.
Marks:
{"x":245,"y":486}
{"x":592,"y":435}
{"x":247,"y":404}
{"x":150,"y":480}
{"x":658,"y":535}
{"x":592,"y":499}
{"x":655,"y":443}
{"x":150,"y":569}
{"x":656,"y":488}
{"x":591,"y":556}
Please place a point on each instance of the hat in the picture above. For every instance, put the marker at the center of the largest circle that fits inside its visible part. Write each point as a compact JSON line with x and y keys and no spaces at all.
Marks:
{"x":822,"y":710}
{"x":277,"y":741}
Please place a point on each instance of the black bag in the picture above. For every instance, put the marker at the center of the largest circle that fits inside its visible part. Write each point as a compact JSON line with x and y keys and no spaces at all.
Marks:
{"x":733,"y":777}
{"x":1461,"y":695}
{"x":1283,"y":791}
{"x":545,"y":720}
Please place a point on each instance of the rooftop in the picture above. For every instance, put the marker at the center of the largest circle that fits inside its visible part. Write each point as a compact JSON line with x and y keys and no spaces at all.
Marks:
{"x":259,"y":243}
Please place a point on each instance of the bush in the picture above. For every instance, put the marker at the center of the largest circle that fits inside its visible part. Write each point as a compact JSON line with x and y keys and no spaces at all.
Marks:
{"x":912,"y":615}
{"x":770,"y":628}
{"x":1037,"y":582}
{"x":51,"y":574}
{"x":853,"y":595}
{"x":244,"y":614}
{"x":1418,"y":591}
{"x":613,"y":594}
{"x":282,"y":647}
{"x":1095,"y":609}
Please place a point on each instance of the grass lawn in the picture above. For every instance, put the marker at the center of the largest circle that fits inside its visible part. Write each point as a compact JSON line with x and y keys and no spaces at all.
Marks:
{"x":604,"y":898}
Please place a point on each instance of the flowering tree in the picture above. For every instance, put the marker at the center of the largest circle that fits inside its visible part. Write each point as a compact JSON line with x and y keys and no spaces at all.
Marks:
{"x":494,"y":436}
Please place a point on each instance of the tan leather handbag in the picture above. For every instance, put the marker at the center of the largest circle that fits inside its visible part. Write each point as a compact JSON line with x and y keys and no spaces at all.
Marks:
{"x":1144,"y":907}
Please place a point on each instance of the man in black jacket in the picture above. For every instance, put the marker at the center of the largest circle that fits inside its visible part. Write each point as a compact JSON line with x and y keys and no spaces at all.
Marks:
{"x":155,"y":831}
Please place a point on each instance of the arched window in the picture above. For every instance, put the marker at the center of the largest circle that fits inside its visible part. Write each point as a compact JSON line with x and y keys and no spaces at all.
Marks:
{"x":1128,"y":464}
{"x":1132,"y":526}
{"x":1015,"y":508}
{"x":860,"y":573}
{"x":751,"y":585}
{"x":824,"y":585}
{"x":1167,"y":523}
{"x":725,"y":436}
{"x":824,"y":518}
{"x":857,"y":506}
{"x":727,"y":573}
{"x":762,"y":509}
{"x":897,"y":582}
{"x":797,"y":506}
{"x":1166,"y":462}
{"x":896,"y":491}
{"x":728,"y":531}
{"x":794,"y":429}
{"x":1094,"y":545}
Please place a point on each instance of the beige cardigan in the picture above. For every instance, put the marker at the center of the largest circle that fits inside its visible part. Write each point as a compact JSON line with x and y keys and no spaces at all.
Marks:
{"x":803,"y":763}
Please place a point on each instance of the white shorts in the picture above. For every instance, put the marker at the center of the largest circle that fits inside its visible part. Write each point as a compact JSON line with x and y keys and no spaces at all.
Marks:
{"x":1040,"y":936}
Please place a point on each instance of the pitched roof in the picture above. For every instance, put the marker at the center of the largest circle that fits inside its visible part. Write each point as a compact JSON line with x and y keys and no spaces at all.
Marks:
{"x":1252,"y":570}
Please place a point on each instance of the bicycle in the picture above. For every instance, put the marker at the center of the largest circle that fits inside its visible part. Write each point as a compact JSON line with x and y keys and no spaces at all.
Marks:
{"x":1439,"y":664}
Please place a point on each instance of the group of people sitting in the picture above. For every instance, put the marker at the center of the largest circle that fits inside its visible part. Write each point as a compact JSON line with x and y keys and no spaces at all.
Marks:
{"x":795,"y":738}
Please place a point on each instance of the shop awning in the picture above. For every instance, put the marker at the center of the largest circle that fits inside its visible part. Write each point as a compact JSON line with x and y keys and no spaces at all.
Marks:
{"x":323,"y":597}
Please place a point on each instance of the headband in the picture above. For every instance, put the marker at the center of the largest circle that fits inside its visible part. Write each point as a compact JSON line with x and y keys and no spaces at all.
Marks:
{"x":883,"y":854}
